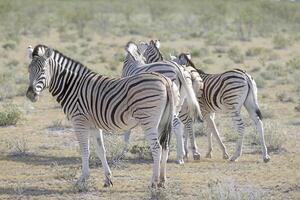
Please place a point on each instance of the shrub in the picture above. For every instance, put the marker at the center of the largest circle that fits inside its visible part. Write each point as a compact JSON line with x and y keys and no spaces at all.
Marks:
{"x":294,"y":63}
{"x":143,"y":151}
{"x":18,"y":147}
{"x":275,"y":136}
{"x":10,"y":115}
{"x":208,"y":61}
{"x":235,"y":54}
{"x":280,"y":42}
{"x":9,"y":46}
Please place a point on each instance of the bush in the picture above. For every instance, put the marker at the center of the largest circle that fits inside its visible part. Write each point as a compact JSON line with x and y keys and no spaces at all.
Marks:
{"x":280,"y":42}
{"x":18,"y":147}
{"x":235,"y":54}
{"x":143,"y":151}
{"x":274,"y":136}
{"x":218,"y":189}
{"x":10,"y":115}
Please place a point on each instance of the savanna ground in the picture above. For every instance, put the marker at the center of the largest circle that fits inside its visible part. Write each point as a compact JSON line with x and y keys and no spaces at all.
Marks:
{"x":39,"y":157}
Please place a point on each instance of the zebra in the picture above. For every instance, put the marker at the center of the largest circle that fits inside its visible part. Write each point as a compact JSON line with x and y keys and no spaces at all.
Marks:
{"x":150,"y":54}
{"x":134,"y":64}
{"x":93,"y":102}
{"x":227,"y":93}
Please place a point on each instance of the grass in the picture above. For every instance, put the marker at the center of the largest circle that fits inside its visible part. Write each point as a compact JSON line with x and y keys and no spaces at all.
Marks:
{"x":10,"y":115}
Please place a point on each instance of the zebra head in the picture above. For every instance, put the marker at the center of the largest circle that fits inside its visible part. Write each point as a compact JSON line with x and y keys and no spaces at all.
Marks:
{"x":150,"y":51}
{"x":182,"y":59}
{"x":38,"y":71}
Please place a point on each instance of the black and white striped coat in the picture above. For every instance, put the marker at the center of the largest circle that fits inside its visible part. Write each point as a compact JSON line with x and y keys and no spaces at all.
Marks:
{"x":93,"y":103}
{"x":182,"y":85}
{"x":224,"y":93}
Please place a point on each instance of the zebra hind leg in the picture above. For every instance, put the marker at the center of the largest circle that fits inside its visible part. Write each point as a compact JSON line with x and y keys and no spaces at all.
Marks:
{"x":240,"y":128}
{"x":259,"y":127}
{"x":156,"y":150}
{"x":190,"y":132}
{"x":163,"y":167}
{"x":101,"y":153}
{"x":178,"y":131}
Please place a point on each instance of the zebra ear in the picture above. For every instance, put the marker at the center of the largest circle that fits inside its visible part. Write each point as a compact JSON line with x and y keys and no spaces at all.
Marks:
{"x":172,"y":57}
{"x":157,"y":44}
{"x":29,"y":52}
{"x":48,"y":53}
{"x":189,"y":56}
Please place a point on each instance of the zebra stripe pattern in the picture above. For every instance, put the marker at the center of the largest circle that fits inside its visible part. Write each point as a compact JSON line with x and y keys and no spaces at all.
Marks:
{"x":134,"y":64}
{"x":93,"y":103}
{"x":152,"y":54}
{"x":227,"y":93}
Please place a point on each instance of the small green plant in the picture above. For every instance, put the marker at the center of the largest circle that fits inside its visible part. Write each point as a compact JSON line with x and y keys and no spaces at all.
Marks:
{"x":142,"y":151}
{"x":10,"y":115}
{"x":208,"y":61}
{"x":280,"y":42}
{"x":297,"y":107}
{"x":9,"y":46}
{"x":235,"y":54}
{"x":293,"y":63}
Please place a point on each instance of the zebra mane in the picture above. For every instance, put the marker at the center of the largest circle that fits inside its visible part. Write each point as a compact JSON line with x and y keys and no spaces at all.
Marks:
{"x":190,"y":63}
{"x":41,"y":47}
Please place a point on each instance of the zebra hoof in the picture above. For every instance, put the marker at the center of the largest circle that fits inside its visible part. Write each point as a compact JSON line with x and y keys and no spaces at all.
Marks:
{"x":208,"y":155}
{"x":196,"y":156}
{"x":161,"y":185}
{"x":267,"y":159}
{"x":225,"y":156}
{"x":108,"y":183}
{"x":233,"y":159}
{"x":180,"y":161}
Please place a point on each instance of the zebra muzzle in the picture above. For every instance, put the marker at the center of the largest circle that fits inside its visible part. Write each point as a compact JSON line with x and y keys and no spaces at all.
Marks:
{"x":31,"y":94}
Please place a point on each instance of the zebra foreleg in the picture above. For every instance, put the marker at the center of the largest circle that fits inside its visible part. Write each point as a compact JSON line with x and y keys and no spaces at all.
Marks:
{"x":163,"y":167}
{"x":126,"y":142}
{"x":156,"y":150}
{"x":101,"y":153}
{"x":240,"y":128}
{"x":82,"y":134}
{"x":212,"y":126}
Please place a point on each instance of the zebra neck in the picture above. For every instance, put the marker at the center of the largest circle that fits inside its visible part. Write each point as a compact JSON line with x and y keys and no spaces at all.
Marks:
{"x":67,"y":76}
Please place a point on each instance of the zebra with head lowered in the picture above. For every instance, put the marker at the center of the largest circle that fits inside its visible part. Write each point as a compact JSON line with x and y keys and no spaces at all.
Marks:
{"x":182,"y":86}
{"x":93,"y":103}
{"x":151,"y":54}
{"x":227,"y":93}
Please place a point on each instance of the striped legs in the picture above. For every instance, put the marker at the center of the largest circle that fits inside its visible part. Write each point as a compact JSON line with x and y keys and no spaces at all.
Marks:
{"x":178,"y":131}
{"x":240,"y":128}
{"x":126,"y":141}
{"x":156,"y":150}
{"x":259,"y":127}
{"x":101,"y":153}
{"x":81,"y":129}
{"x":209,"y":118}
{"x":189,"y":134}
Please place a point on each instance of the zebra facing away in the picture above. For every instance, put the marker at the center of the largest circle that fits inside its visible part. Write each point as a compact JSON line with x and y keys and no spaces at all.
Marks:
{"x":151,"y":54}
{"x":182,"y":86}
{"x":227,"y":93}
{"x":93,"y":103}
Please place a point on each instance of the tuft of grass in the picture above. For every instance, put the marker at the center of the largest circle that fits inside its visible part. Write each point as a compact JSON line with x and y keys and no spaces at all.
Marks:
{"x":143,"y":151}
{"x":65,"y":173}
{"x":220,"y":189}
{"x":280,"y":42}
{"x":275,"y":136}
{"x":18,"y":147}
{"x":208,"y":61}
{"x":235,"y":54}
{"x":293,"y":63}
{"x":10,"y":115}
{"x":283,"y":97}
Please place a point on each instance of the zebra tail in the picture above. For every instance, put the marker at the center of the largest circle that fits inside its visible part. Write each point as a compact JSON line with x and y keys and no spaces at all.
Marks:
{"x":166,"y":122}
{"x":252,"y":95}
{"x":193,"y":105}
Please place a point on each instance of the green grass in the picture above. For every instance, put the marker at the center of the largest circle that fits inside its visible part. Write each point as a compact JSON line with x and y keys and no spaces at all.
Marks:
{"x":10,"y":115}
